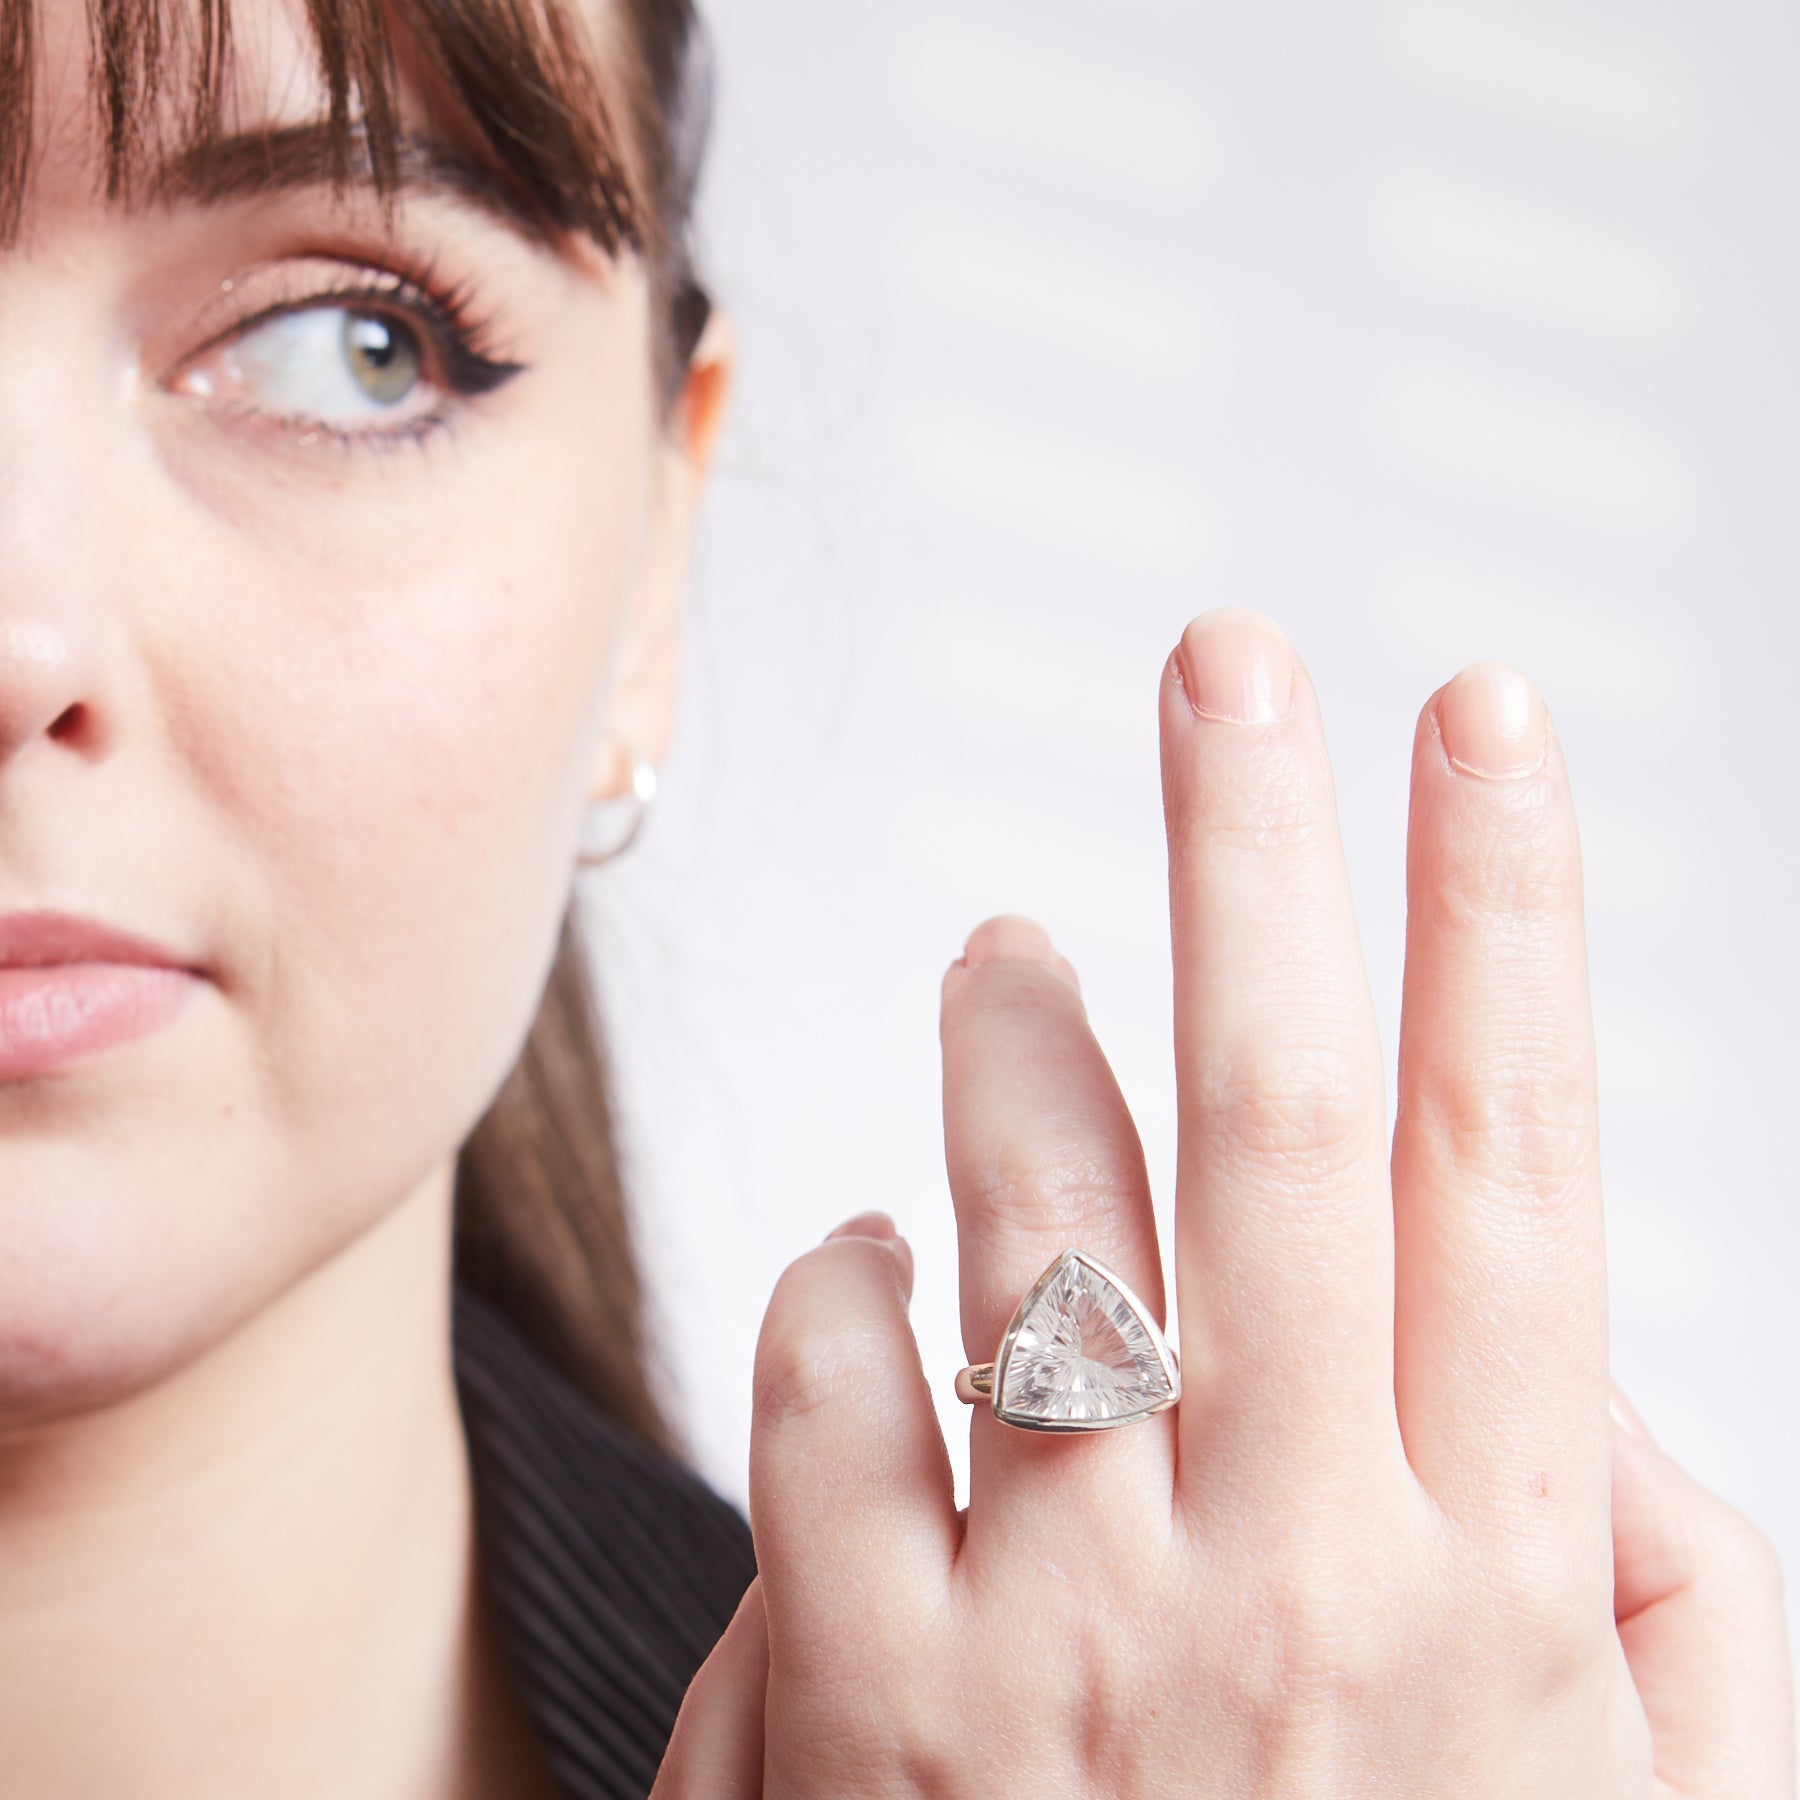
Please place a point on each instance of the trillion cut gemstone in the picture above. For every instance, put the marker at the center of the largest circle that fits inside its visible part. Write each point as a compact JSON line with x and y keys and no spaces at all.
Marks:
{"x":1083,"y":1352}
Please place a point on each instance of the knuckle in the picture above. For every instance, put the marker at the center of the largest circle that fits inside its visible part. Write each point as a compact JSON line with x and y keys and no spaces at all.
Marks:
{"x":1553,"y":1604}
{"x":1513,"y":869}
{"x":1269,"y":798}
{"x":1051,"y":1181}
{"x":1743,"y":1554}
{"x":1525,"y":1123}
{"x":813,"y":1367}
{"x":1309,"y":1105}
{"x":1304,"y":1650}
{"x":1565,"y":1642}
{"x":813,"y":1351}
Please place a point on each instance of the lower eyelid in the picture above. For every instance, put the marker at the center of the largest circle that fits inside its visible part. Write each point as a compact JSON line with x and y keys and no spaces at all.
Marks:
{"x":296,"y":432}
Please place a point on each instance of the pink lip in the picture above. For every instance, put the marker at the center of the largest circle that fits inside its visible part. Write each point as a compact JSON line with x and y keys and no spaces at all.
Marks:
{"x":72,"y":987}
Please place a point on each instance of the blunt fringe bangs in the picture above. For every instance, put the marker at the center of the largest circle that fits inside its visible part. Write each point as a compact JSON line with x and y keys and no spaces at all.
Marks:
{"x":523,"y":73}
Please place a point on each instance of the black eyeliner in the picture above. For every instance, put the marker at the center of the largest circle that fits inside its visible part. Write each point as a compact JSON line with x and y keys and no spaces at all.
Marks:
{"x":467,"y":367}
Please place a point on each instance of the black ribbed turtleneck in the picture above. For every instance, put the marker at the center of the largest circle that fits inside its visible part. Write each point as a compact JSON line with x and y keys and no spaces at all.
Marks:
{"x":612,"y":1569}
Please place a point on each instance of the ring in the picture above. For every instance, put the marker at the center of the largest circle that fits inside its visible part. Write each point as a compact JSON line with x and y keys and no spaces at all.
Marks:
{"x":1082,"y":1354}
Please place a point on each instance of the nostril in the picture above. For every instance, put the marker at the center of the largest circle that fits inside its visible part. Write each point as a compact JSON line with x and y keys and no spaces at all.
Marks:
{"x":69,"y":722}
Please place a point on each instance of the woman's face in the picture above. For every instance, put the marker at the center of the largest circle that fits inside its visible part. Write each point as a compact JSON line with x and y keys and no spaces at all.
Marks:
{"x":307,"y":669}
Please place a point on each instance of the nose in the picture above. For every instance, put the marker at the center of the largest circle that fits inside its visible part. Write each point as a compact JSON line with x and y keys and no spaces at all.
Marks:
{"x":37,"y":697}
{"x":62,"y":560}
{"x":50,"y":636}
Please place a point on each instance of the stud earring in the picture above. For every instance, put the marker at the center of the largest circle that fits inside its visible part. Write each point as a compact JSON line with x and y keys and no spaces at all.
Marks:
{"x":640,"y":798}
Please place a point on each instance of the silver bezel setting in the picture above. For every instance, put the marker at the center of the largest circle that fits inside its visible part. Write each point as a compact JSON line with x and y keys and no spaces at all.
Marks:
{"x":1170,"y":1364}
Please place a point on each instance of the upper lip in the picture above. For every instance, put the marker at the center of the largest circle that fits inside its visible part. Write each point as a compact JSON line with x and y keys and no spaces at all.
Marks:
{"x":33,"y":940}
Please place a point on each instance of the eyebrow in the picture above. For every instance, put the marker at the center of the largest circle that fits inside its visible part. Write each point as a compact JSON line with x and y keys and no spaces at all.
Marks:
{"x":259,"y":164}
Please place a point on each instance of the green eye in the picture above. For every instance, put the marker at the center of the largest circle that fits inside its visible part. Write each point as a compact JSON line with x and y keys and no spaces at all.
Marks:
{"x":384,"y":355}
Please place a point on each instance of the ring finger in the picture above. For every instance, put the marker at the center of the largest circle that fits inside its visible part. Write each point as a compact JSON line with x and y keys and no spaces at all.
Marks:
{"x":1043,"y":1157}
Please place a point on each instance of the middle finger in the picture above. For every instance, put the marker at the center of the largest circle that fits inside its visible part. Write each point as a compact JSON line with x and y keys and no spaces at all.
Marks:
{"x":1283,"y":1226}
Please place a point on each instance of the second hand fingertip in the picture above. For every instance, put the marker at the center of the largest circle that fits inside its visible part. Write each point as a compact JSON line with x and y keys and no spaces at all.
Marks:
{"x":1012,"y":937}
{"x":865,"y":1224}
{"x":879,"y":1228}
{"x":904,"y":1257}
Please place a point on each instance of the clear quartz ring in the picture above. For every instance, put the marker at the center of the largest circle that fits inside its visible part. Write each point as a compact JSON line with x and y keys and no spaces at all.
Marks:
{"x":1082,"y":1354}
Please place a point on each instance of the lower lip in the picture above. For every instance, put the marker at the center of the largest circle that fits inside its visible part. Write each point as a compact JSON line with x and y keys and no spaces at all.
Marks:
{"x":62,"y":1012}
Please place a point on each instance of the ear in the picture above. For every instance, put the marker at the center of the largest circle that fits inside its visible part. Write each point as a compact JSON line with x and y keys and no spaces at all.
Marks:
{"x":641,"y":712}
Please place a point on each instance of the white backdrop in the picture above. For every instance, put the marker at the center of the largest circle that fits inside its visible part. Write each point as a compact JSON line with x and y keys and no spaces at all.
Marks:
{"x":1439,"y":331}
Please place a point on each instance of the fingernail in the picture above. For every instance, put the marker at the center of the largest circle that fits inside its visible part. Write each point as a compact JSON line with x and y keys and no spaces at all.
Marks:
{"x":865,"y":1224}
{"x":1236,"y":666}
{"x":1492,"y":723}
{"x":1625,"y":1416}
{"x":1011,"y":937}
{"x":880,"y":1228}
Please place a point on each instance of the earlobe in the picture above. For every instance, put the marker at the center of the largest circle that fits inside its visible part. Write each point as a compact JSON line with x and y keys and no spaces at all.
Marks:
{"x":641,"y":711}
{"x":640,"y":714}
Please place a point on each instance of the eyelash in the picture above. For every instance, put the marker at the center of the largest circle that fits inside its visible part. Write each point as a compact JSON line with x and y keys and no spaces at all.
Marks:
{"x":461,"y":341}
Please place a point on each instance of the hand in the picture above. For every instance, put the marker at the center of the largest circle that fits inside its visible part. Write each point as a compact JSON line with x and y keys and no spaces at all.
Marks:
{"x":1390,"y":1543}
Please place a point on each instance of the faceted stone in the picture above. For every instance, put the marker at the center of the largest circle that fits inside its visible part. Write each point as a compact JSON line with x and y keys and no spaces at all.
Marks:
{"x":1084,"y":1353}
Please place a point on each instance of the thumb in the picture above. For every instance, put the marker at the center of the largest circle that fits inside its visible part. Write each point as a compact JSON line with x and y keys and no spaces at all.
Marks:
{"x":716,"y":1751}
{"x":1697,"y":1593}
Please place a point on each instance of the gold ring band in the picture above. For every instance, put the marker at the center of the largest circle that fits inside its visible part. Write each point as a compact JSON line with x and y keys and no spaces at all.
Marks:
{"x":976,"y":1382}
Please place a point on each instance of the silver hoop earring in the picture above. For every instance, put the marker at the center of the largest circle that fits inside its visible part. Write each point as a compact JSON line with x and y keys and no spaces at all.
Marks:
{"x":642,"y":794}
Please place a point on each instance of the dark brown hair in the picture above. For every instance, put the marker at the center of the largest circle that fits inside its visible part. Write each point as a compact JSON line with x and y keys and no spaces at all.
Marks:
{"x":598,"y":125}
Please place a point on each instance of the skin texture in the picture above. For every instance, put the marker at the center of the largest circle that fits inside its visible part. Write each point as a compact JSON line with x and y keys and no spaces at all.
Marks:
{"x":324,"y":717}
{"x":1399,"y":1537}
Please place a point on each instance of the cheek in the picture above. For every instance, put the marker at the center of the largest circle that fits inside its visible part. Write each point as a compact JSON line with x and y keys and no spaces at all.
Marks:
{"x":355,"y":715}
{"x":394,"y":750}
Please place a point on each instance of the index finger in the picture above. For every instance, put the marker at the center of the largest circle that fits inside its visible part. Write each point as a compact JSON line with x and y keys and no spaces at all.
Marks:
{"x":1501,"y":1342}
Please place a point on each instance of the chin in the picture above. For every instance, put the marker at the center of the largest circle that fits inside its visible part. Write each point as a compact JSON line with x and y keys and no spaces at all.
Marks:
{"x":97,"y":1301}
